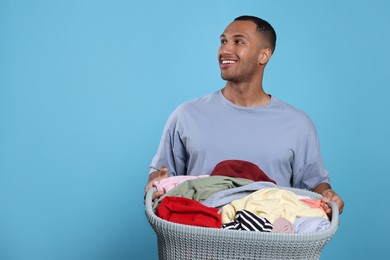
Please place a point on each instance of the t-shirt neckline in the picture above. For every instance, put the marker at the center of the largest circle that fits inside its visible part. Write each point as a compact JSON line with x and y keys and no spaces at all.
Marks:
{"x":254,"y":108}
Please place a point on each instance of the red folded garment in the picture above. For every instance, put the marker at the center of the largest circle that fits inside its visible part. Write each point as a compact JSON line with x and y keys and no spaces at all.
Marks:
{"x":240,"y":169}
{"x":190,"y":212}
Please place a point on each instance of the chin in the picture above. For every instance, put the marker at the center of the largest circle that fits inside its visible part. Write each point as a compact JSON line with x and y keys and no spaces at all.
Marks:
{"x":225,"y":77}
{"x":229,"y":78}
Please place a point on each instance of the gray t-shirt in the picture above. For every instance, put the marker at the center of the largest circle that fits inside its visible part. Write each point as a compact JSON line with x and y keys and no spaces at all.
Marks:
{"x":279,"y":138}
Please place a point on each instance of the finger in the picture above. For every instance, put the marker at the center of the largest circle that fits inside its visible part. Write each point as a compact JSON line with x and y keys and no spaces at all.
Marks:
{"x":326,"y":208}
{"x":154,"y":196}
{"x":157,"y":194}
{"x":325,"y":200}
{"x":329,"y":194}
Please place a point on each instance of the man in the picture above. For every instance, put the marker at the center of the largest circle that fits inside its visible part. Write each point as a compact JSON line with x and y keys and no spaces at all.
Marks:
{"x":243,"y":122}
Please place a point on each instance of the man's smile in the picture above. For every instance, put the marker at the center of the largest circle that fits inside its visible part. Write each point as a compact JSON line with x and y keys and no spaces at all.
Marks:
{"x":227,"y":62}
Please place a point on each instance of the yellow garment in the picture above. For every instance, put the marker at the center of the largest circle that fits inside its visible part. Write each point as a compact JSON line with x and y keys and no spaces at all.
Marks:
{"x":271,"y":203}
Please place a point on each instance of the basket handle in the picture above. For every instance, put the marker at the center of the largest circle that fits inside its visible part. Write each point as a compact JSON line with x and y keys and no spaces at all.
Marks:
{"x":148,"y":201}
{"x":335,"y":212}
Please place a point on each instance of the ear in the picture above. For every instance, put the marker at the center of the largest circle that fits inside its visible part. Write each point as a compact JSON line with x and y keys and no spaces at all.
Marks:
{"x":265,"y":55}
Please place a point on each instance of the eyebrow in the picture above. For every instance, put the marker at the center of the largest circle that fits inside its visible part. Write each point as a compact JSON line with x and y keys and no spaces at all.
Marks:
{"x":234,"y":36}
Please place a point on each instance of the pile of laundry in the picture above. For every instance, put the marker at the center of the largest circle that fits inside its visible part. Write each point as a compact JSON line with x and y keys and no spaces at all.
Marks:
{"x":237,"y":195}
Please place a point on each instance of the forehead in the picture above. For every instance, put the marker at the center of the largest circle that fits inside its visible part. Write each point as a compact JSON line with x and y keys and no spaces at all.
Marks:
{"x":242,"y":28}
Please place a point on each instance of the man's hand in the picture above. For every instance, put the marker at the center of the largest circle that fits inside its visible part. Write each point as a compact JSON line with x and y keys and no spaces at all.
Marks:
{"x":156,"y":176}
{"x":331,"y":195}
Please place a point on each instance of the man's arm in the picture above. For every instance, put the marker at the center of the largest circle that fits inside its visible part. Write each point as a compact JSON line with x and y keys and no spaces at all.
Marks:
{"x":329,"y":194}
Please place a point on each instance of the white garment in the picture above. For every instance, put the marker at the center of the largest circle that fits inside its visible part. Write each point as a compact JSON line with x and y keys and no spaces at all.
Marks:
{"x":310,"y":224}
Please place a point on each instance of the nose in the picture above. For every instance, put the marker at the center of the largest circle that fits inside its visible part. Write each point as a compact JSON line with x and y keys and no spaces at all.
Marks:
{"x":226,"y":48}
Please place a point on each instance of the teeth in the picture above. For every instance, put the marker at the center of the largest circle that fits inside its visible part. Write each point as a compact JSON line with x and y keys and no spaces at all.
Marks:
{"x":228,"y":61}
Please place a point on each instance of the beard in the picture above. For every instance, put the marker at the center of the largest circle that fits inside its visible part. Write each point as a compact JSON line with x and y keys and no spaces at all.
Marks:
{"x":240,"y":74}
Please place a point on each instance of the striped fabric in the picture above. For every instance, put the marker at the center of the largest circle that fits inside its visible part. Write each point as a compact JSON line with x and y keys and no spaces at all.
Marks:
{"x":246,"y":220}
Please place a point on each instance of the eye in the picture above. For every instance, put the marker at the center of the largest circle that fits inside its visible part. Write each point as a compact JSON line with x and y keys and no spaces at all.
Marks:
{"x":238,"y":41}
{"x":223,"y":41}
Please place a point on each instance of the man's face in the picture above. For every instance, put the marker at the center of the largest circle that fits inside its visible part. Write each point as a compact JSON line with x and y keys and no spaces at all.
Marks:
{"x":238,"y":54}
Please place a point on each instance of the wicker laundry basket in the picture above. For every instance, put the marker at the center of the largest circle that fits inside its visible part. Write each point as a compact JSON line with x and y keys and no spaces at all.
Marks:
{"x":182,"y":242}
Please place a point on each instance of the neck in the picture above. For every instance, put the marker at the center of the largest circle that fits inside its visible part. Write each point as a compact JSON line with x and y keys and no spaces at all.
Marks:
{"x":246,"y":95}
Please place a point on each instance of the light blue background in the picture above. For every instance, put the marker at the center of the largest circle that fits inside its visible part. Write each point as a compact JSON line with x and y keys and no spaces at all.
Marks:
{"x":86,"y":88}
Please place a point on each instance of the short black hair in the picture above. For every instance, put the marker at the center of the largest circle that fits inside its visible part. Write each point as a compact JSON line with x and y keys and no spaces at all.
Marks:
{"x":263,"y":27}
